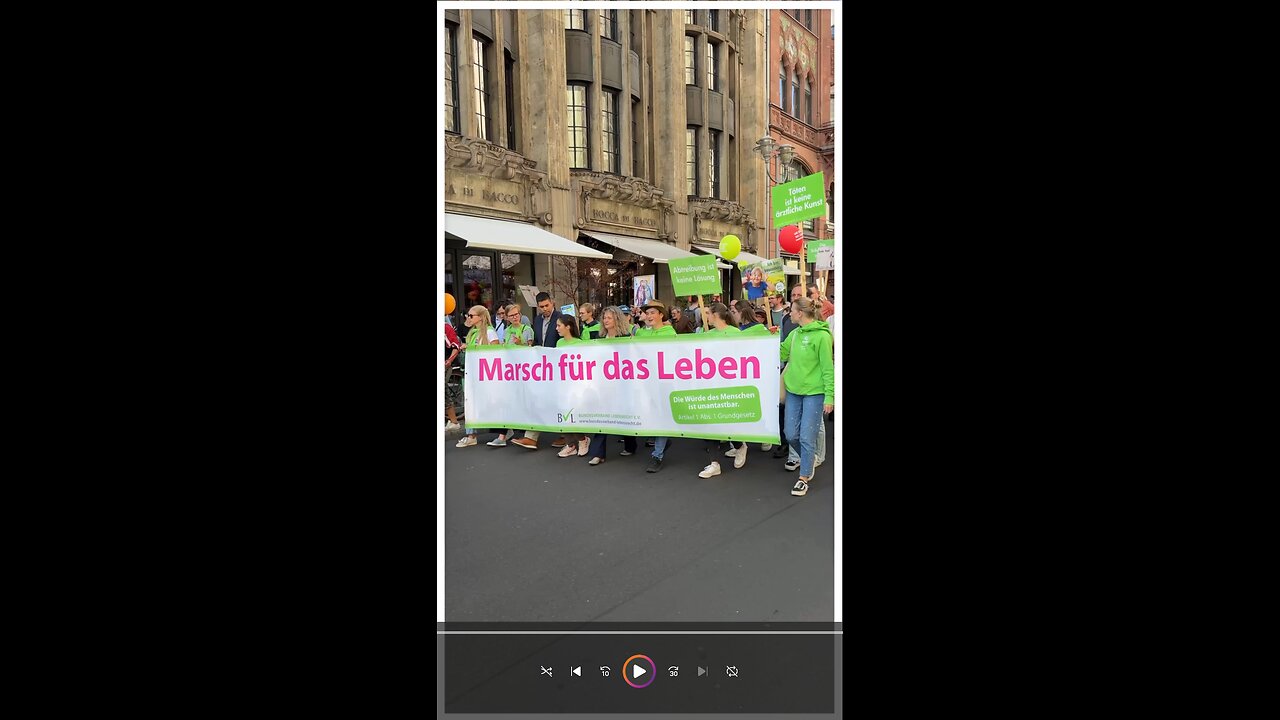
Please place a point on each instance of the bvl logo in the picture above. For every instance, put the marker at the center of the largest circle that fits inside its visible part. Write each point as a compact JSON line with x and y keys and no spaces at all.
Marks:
{"x":562,"y":418}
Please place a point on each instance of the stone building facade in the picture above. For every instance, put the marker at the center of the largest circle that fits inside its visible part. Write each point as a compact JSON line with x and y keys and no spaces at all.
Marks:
{"x":802,"y":67}
{"x":623,"y":132}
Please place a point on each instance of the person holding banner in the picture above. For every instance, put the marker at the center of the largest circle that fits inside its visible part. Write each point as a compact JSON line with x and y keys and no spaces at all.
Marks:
{"x":721,"y":321}
{"x":810,"y":382}
{"x":654,"y":314}
{"x":614,"y":326}
{"x":569,"y":333}
{"x":518,"y":333}
{"x":544,"y":335}
{"x":482,"y":333}
{"x":590,"y":328}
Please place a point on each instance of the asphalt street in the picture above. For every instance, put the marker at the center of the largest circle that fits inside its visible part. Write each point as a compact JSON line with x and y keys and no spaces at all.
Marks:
{"x":532,"y":537}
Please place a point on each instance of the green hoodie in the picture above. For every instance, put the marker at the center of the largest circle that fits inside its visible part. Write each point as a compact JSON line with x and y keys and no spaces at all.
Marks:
{"x":810,"y":370}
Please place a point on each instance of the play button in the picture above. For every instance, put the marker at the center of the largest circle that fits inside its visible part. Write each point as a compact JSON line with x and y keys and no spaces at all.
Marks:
{"x":637,"y":666}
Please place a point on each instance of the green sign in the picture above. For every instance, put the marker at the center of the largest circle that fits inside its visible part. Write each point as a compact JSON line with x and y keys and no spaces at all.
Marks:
{"x":716,"y":405}
{"x":799,"y":200}
{"x":811,"y":247}
{"x":695,"y":275}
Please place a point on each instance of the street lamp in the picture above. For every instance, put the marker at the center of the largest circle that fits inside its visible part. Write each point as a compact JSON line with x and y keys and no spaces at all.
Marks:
{"x":770,"y":150}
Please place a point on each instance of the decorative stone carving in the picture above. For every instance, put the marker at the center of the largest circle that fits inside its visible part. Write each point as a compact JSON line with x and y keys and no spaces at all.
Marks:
{"x":623,"y":189}
{"x":724,"y":212}
{"x":480,"y":159}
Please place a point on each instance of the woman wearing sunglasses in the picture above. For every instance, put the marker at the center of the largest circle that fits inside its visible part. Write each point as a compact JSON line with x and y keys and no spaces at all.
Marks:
{"x":481,"y":333}
{"x":518,"y":333}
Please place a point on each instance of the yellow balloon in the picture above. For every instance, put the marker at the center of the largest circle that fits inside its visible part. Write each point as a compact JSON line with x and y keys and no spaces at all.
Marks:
{"x":730,"y":246}
{"x":449,"y":304}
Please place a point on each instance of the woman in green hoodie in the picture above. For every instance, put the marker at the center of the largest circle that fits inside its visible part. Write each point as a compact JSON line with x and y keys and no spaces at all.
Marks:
{"x":810,"y":380}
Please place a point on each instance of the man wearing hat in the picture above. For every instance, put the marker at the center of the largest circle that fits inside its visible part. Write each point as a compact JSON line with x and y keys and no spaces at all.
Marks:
{"x":655,"y":314}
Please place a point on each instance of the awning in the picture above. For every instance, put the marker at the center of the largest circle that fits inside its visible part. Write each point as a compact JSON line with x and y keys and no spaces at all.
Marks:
{"x":742,"y":256}
{"x":515,"y":237}
{"x":659,"y":251}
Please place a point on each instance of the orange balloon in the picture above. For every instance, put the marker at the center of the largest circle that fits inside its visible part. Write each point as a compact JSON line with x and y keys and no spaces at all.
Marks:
{"x":449,"y":304}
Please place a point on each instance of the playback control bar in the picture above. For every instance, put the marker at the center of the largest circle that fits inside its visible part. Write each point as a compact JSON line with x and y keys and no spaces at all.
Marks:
{"x":640,"y":673}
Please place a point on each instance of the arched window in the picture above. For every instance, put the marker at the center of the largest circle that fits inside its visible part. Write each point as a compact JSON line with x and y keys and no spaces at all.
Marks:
{"x":808,"y":102}
{"x":795,"y":93}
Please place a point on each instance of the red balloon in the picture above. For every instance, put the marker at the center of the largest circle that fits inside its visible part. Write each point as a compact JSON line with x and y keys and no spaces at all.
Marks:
{"x":789,"y":238}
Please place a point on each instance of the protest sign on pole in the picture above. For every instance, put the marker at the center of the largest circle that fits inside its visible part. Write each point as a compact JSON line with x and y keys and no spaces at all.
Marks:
{"x":798,"y":200}
{"x":695,"y":275}
{"x":822,"y":253}
{"x":717,"y":387}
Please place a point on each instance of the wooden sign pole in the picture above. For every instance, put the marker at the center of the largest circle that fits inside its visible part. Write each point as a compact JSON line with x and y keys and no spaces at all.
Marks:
{"x":702,"y":306}
{"x":803,"y":285}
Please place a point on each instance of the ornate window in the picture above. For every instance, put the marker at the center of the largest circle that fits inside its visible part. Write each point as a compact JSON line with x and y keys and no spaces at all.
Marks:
{"x":690,"y":62}
{"x":713,"y":80}
{"x":713,"y":167}
{"x":612,"y":151}
{"x":576,"y":100}
{"x":575,"y":19}
{"x":609,"y":24}
{"x":808,"y":102}
{"x":691,"y":161}
{"x":795,"y":93}
{"x":509,"y":64}
{"x":452,"y":123}
{"x":480,"y":60}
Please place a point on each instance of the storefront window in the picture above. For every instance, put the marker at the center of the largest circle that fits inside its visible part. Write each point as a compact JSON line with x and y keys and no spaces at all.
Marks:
{"x":477,"y":281}
{"x":516,"y":270}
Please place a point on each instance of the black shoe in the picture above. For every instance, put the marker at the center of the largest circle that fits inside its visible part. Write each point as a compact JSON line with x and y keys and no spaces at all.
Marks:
{"x":780,"y":452}
{"x":655,"y":464}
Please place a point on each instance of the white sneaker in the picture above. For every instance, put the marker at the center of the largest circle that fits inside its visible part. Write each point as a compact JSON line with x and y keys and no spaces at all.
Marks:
{"x":731,"y":452}
{"x":741,"y":458}
{"x":451,"y":426}
{"x":467,"y":441}
{"x":583,"y":446}
{"x":765,"y":447}
{"x":569,"y":450}
{"x":710,"y":471}
{"x":497,"y":442}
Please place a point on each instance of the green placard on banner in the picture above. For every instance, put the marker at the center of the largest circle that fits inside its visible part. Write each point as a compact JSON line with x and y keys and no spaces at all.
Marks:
{"x":799,"y":200}
{"x":695,"y":275}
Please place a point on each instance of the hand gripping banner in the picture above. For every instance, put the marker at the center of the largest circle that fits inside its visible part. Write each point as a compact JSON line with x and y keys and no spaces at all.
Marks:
{"x":717,"y":387}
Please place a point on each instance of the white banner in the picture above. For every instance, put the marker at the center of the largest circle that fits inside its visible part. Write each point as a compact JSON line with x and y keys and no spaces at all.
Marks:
{"x":719,"y":387}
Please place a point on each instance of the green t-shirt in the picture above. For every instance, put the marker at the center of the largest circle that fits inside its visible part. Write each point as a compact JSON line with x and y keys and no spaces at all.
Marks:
{"x":757,"y":329}
{"x":523,"y":332}
{"x":650,"y":332}
{"x":728,"y":330}
{"x":569,"y":341}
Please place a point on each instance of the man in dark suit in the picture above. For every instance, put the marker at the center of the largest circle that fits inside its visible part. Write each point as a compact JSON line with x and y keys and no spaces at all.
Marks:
{"x":544,"y":334}
{"x":544,"y":324}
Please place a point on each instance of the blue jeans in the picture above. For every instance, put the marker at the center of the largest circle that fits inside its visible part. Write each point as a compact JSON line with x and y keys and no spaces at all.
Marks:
{"x":793,"y":450}
{"x":660,"y":446}
{"x":804,"y":417}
